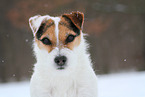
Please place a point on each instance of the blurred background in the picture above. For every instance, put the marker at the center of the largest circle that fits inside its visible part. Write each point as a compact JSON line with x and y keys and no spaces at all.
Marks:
{"x":115,"y":28}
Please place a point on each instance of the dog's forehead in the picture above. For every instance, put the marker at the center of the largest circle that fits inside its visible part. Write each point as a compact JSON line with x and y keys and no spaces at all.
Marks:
{"x":57,"y":30}
{"x":58,"y":26}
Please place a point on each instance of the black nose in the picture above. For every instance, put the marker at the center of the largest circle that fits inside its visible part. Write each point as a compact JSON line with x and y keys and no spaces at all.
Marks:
{"x":60,"y":60}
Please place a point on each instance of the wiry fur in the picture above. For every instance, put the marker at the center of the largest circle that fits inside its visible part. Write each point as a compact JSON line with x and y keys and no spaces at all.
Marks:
{"x":76,"y":80}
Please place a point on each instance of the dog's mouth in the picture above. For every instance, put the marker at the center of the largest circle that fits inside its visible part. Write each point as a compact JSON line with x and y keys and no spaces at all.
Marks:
{"x":61,"y":67}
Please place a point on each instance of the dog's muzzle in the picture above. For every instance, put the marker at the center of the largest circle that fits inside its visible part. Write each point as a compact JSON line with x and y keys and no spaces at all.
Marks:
{"x":60,"y":61}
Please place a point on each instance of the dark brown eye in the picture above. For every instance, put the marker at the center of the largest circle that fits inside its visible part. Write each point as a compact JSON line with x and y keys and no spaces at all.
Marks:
{"x":70,"y":38}
{"x":46,"y":41}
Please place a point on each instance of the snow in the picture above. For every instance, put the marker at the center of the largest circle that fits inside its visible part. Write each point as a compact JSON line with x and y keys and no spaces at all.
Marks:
{"x":3,"y":61}
{"x":124,"y":59}
{"x":112,"y":85}
{"x":26,"y":40}
{"x":19,"y":89}
{"x":122,"y":85}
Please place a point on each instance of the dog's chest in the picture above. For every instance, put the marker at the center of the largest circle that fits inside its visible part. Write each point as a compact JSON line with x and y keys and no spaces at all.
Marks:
{"x":63,"y":92}
{"x":63,"y":89}
{"x":54,"y":87}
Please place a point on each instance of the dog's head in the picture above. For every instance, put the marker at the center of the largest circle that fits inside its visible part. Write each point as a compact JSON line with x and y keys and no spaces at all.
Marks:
{"x":57,"y":39}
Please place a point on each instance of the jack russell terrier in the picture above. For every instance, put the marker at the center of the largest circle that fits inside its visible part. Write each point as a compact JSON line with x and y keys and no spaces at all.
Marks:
{"x":63,"y":67}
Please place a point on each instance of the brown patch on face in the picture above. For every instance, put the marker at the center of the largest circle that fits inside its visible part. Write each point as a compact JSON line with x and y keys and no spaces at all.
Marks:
{"x":64,"y":31}
{"x":49,"y":32}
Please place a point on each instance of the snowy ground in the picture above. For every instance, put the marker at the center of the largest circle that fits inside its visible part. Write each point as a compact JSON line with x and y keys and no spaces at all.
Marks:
{"x":122,"y":85}
{"x":112,"y":85}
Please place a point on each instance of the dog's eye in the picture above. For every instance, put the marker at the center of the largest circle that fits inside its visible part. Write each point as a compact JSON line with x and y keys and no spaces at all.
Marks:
{"x":70,"y":38}
{"x":46,"y":41}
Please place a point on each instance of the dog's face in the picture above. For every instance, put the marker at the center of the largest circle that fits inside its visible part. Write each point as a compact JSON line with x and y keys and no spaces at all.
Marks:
{"x":57,"y":39}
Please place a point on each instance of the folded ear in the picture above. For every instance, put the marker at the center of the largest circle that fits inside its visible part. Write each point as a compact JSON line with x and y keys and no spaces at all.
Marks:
{"x":35,"y":23}
{"x":77,"y":18}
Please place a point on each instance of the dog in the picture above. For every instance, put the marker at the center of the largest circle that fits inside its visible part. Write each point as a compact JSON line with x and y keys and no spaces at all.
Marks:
{"x":63,"y":67}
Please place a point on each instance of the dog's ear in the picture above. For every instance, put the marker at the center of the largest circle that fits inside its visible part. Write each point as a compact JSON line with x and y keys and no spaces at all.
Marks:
{"x":77,"y":18}
{"x":35,"y":23}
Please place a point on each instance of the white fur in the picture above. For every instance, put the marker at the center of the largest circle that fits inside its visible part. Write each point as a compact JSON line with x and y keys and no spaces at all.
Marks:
{"x":76,"y":80}
{"x":56,"y":22}
{"x":36,"y":21}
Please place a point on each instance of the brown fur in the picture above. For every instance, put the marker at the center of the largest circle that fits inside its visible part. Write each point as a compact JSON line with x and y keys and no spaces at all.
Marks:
{"x":50,"y":34}
{"x":77,"y":19}
{"x":64,"y":31}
